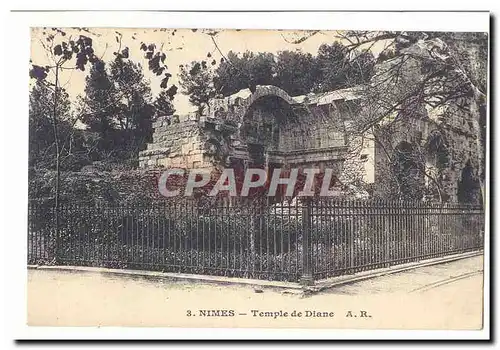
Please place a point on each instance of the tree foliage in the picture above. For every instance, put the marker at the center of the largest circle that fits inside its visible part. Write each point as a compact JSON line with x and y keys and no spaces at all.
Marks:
{"x":163,"y":104}
{"x":197,"y":81}
{"x":339,"y":69}
{"x":296,"y":72}
{"x":118,"y":108}
{"x":427,"y":71}
{"x":41,"y":147}
{"x":97,"y":105}
{"x":244,"y":71}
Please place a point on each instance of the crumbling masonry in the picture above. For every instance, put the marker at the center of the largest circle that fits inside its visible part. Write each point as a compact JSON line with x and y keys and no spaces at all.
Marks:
{"x":270,"y":127}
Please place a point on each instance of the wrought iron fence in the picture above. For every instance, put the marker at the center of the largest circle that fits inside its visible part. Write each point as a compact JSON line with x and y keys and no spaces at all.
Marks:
{"x":310,"y":239}
{"x":349,"y":237}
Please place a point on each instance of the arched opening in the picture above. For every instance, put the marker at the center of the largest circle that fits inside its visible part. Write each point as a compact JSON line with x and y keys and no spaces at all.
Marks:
{"x":437,"y":157}
{"x":262,"y":126}
{"x":468,"y":189}
{"x":408,"y":170}
{"x":437,"y":150}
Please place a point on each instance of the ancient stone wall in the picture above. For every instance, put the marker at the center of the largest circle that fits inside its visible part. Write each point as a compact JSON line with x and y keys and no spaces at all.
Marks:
{"x":235,"y":107}
{"x":441,"y":167}
{"x":175,"y":144}
{"x":289,"y":132}
{"x":314,"y":129}
{"x":269,"y":125}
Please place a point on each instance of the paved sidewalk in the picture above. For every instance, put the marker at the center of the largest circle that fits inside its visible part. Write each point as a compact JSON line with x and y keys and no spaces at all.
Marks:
{"x":410,"y":280}
{"x":91,"y":299}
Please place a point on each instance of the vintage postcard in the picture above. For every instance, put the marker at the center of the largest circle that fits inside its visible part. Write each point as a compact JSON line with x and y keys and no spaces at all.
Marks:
{"x":257,"y":178}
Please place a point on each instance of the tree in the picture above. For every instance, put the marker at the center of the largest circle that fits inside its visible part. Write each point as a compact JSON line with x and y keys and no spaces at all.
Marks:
{"x":156,"y":64}
{"x":339,"y":69}
{"x":445,"y":71}
{"x":296,"y":72}
{"x":246,"y":72}
{"x":197,"y":81}
{"x":134,"y":92}
{"x":67,"y":52}
{"x":41,"y":132}
{"x":61,"y":52}
{"x":135,"y":109}
{"x":98,"y":107}
{"x":163,"y":103}
{"x":118,"y":108}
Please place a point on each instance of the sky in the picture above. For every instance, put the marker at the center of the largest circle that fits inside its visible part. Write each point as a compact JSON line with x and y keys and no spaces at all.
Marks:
{"x":180,"y":45}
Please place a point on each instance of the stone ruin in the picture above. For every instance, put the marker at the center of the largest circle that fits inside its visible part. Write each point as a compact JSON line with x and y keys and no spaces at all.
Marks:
{"x":269,"y":127}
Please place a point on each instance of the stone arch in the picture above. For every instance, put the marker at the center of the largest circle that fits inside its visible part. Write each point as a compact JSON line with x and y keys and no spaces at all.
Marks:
{"x":262,"y":118}
{"x":268,"y":90}
{"x":408,"y":171}
{"x":468,"y":187}
{"x":437,"y":149}
{"x":263,"y":125}
{"x":240,"y":106}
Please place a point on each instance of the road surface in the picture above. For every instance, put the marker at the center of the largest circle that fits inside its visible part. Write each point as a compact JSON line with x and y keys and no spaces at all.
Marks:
{"x":407,"y":300}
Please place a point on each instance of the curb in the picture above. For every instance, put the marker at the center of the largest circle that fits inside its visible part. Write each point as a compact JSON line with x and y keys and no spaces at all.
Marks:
{"x":320,"y":286}
{"x":362,"y":276}
{"x":172,"y":276}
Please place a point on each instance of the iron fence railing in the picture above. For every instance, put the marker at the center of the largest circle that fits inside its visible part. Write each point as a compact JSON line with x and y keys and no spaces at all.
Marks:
{"x":290,"y":241}
{"x":350,"y":237}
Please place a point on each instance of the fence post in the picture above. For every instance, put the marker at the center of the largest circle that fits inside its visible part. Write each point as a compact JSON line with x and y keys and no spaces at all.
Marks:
{"x":387,"y":217}
{"x":307,"y":268}
{"x":254,"y":229}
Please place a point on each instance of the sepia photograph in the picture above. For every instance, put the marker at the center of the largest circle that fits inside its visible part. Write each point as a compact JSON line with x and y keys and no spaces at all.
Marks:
{"x":257,"y":178}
